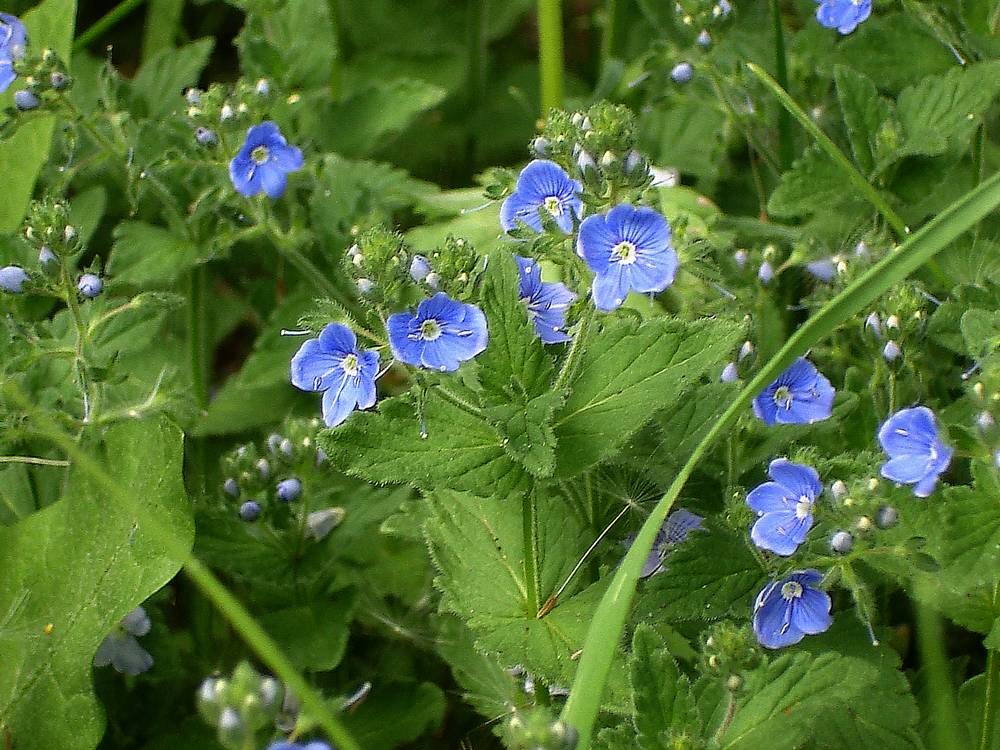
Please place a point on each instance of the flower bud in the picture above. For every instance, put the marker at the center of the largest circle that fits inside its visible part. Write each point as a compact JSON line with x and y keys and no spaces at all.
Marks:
{"x":432,"y":280}
{"x":58,"y":80}
{"x":231,"y":729}
{"x":577,"y":119}
{"x":985,"y":421}
{"x":226,"y":113}
{"x":263,"y":468}
{"x":891,"y":351}
{"x":365,"y":286}
{"x":231,"y":487}
{"x":682,"y":73}
{"x":892,"y":322}
{"x":46,"y":256}
{"x":979,"y":390}
{"x":586,"y":124}
{"x":634,"y":162}
{"x":321,"y":522}
{"x":273,"y":441}
{"x":722,"y":9}
{"x":263,"y":87}
{"x":69,"y":234}
{"x":419,"y":268}
{"x":740,"y":258}
{"x":745,"y":351}
{"x":873,"y":484}
{"x":12,"y":279}
{"x":861,"y":250}
{"x":540,"y":146}
{"x":250,"y":511}
{"x":608,"y":160}
{"x":874,"y":324}
{"x":353,"y":250}
{"x":729,"y":373}
{"x":25,"y":100}
{"x":704,"y":39}
{"x":193,"y":96}
{"x":765,"y":273}
{"x":838,"y":489}
{"x":887,"y":517}
{"x":863,"y":524}
{"x":205,"y":137}
{"x":286,"y":448}
{"x":90,"y":285}
{"x":822,"y":269}
{"x":734,"y":683}
{"x":270,"y":693}
{"x":841,"y":542}
{"x":289,"y":489}
{"x":586,"y":164}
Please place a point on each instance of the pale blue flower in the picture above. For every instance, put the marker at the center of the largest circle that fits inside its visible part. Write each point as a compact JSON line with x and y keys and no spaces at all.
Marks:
{"x":800,"y":395}
{"x":916,"y":454}
{"x":12,"y":279}
{"x":843,"y":15}
{"x":121,"y":650}
{"x":784,"y":506}
{"x":13,"y":40}
{"x":263,"y":162}
{"x":547,"y":302}
{"x":789,"y":609}
{"x":542,"y":185}
{"x":441,"y":335}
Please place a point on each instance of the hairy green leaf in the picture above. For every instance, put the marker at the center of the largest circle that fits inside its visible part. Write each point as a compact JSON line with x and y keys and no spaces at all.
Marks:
{"x":662,"y":695}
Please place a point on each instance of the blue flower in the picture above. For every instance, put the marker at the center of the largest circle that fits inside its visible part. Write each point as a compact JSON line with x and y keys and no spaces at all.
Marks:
{"x":916,"y":454}
{"x":627,"y":249}
{"x":442,"y":334}
{"x":823,"y":269}
{"x":674,"y":530}
{"x":334,"y":364}
{"x":12,"y":279}
{"x":789,"y":609}
{"x":542,"y":185}
{"x":314,"y":745}
{"x":288,"y":489}
{"x":13,"y":39}
{"x":800,"y":395}
{"x":784,"y":506}
{"x":843,"y":15}
{"x":90,"y":285}
{"x":121,"y":649}
{"x":263,"y":162}
{"x":546,"y":301}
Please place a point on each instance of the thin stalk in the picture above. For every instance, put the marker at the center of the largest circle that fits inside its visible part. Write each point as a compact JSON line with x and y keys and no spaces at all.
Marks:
{"x":990,"y":702}
{"x":550,"y":54}
{"x":529,"y":534}
{"x":785,"y":146}
{"x":80,"y":362}
{"x":828,"y":146}
{"x":34,"y":460}
{"x":269,"y":653}
{"x":569,"y":365}
{"x":105,"y":22}
{"x":946,"y":730}
{"x":608,"y":621}
{"x":336,"y":64}
{"x":610,"y":27}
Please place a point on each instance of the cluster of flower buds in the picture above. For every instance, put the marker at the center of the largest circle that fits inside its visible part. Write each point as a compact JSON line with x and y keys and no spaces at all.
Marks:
{"x":241,"y":706}
{"x":535,"y":729}
{"x":41,"y":81}
{"x":384,"y":268}
{"x":702,"y":14}
{"x":860,"y":511}
{"x":900,"y":324}
{"x":727,"y":652}
{"x":739,"y":366}
{"x":225,"y":109}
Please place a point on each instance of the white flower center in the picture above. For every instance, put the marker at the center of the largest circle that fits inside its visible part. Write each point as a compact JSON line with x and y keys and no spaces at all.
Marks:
{"x":624,"y":251}
{"x":783,"y":396}
{"x":430,"y":330}
{"x":803,"y":507}
{"x":259,"y":155}
{"x":552,"y":205}
{"x":791,"y":590}
{"x":350,"y":364}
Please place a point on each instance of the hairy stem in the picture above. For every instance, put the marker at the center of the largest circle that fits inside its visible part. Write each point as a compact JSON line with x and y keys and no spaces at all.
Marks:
{"x":946,"y":730}
{"x":576,"y":349}
{"x":990,"y":702}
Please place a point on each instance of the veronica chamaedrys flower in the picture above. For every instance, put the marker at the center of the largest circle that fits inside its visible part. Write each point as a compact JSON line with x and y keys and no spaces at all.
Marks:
{"x":843,"y":15}
{"x":335,"y":365}
{"x":674,"y":530}
{"x":12,"y":279}
{"x":916,"y":454}
{"x":542,"y":185}
{"x":822,"y":269}
{"x":784,"y":506}
{"x":442,"y":333}
{"x":791,"y":608}
{"x":121,"y":650}
{"x":546,"y":301}
{"x":263,"y":162}
{"x":13,"y":39}
{"x":628,"y":249}
{"x":800,"y":395}
{"x":314,"y":745}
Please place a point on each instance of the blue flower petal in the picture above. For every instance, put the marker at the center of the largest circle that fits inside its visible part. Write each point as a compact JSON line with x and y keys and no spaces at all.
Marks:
{"x":906,"y":469}
{"x":769,"y":497}
{"x":812,"y":612}
{"x":780,"y":532}
{"x":541,"y":180}
{"x":339,"y":401}
{"x":798,"y":479}
{"x":908,"y":428}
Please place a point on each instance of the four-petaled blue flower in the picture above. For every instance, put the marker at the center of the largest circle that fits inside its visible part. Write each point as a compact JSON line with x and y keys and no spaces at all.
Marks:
{"x":334,"y":364}
{"x":442,"y":334}
{"x":843,"y":15}
{"x":789,"y":609}
{"x":542,"y":185}
{"x":314,"y":745}
{"x":263,"y":162}
{"x":784,"y":506}
{"x":800,"y":395}
{"x":12,"y":279}
{"x":916,"y":454}
{"x":628,"y":250}
{"x":546,"y":302}
{"x":674,"y":530}
{"x":121,"y":649}
{"x":13,"y":38}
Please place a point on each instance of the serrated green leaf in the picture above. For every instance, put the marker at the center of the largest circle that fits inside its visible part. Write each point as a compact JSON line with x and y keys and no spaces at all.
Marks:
{"x":50,"y":24}
{"x":163,"y":77}
{"x":711,"y":575}
{"x":662,"y":695}
{"x":864,"y":112}
{"x":783,"y":700}
{"x":144,"y":255}
{"x":478,"y":547}
{"x":461,"y":451}
{"x":981,"y":331}
{"x":813,"y":184}
{"x":628,"y":372}
{"x":972,"y":550}
{"x":526,"y":431}
{"x":942,"y":112}
{"x":81,"y":565}
{"x":293,"y":44}
{"x":971,"y":703}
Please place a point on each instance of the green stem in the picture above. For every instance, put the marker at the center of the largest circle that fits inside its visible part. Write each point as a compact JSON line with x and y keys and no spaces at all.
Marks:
{"x":570,"y":364}
{"x":946,"y":730}
{"x":785,"y":146}
{"x":529,"y":540}
{"x":990,"y":707}
{"x":455,"y":400}
{"x":109,"y":19}
{"x":828,"y":146}
{"x":608,"y":37}
{"x":34,"y":460}
{"x":196,"y":335}
{"x":608,"y":621}
{"x":336,"y":64}
{"x":269,"y":653}
{"x":79,"y":358}
{"x":550,"y":54}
